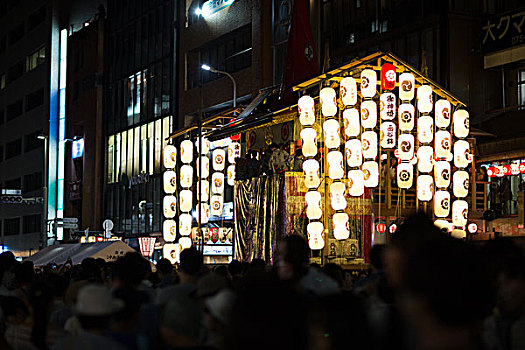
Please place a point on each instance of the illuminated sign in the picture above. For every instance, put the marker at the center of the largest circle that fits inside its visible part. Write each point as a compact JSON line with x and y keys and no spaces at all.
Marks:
{"x":213,"y":6}
{"x":78,"y":149}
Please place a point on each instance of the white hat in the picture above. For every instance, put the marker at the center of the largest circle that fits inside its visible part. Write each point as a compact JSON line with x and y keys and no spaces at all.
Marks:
{"x":96,"y":300}
{"x":221,"y":305}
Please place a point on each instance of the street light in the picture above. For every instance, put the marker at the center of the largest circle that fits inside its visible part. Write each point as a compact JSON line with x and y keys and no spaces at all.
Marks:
{"x":45,"y":138}
{"x":213,"y":70}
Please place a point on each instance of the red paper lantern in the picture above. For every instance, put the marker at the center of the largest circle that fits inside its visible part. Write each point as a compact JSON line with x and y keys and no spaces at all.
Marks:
{"x":381,"y":227}
{"x":522,"y":168}
{"x":388,"y":76}
{"x":214,"y":231}
{"x":491,"y":171}
{"x":506,"y":169}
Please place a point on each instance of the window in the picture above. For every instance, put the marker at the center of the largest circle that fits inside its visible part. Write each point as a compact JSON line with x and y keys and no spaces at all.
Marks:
{"x":16,"y":34}
{"x":521,"y":89}
{"x":13,"y":149}
{"x":32,"y":223}
{"x":32,"y":142}
{"x":12,"y":226}
{"x":15,"y":72}
{"x":14,"y":110}
{"x":33,"y":182}
{"x":13,"y":184}
{"x":35,"y":59}
{"x":2,"y":81}
{"x":34,"y":99}
{"x":36,"y":18}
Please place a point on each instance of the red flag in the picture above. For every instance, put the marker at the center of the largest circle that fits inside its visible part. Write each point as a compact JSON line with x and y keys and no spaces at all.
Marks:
{"x":301,"y":61}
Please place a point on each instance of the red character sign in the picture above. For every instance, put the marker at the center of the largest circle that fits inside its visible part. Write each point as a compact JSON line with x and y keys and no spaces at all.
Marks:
{"x":214,"y":234}
{"x":388,"y":76}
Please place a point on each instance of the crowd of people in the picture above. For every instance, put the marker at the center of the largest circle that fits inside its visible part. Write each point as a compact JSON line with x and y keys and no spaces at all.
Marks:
{"x":425,"y":290}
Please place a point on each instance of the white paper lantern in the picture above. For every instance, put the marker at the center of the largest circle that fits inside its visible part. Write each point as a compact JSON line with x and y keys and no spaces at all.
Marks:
{"x":170,"y":156}
{"x":444,"y":225}
{"x":308,"y":136}
{"x":185,"y":243}
{"x":406,"y":86}
{"x":205,"y":190}
{"x":335,"y":165}
{"x":205,"y":213}
{"x":217,"y":183}
{"x":425,"y":129}
{"x":186,"y":200}
{"x":458,"y":233}
{"x":313,"y":205}
{"x":169,"y":181}
{"x":424,"y":99}
{"x":460,"y":184}
{"x":425,"y":159}
{"x":406,"y":117}
{"x":405,"y":147}
{"x":356,"y":183}
{"x":234,"y":151}
{"x":351,"y":122}
{"x":311,"y":173}
{"x":205,"y":163}
{"x":388,"y":106}
{"x":370,"y":174}
{"x":328,"y":104}
{"x":442,"y":174}
{"x":230,"y":173}
{"x":185,"y":221}
{"x":354,"y":153}
{"x":460,"y":119}
{"x":405,"y":175}
{"x":337,"y":196}
{"x":368,"y":83}
{"x":369,"y":144}
{"x":186,"y":151}
{"x":443,"y":144}
{"x":442,"y":113}
{"x":331,"y":133}
{"x":170,"y":206}
{"x":442,"y":203}
{"x":219,"y":159}
{"x":340,"y":221}
{"x":171,"y":251}
{"x":459,"y":213}
{"x":216,"y":205}
{"x":368,"y":114}
{"x":425,"y":188}
{"x":388,"y":135}
{"x":306,"y":110}
{"x":348,"y":91}
{"x":315,"y":235}
{"x":169,"y":230}
{"x":461,"y":153}
{"x":205,"y":146}
{"x":186,"y":176}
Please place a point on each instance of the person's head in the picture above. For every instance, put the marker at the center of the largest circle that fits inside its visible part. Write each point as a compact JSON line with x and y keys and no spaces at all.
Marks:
{"x":41,"y":298}
{"x":235,"y":268}
{"x":292,"y":258}
{"x":218,"y":310}
{"x":221,"y":270}
{"x":210,"y":284}
{"x":376,"y":256}
{"x":14,"y":310}
{"x":180,"y":321}
{"x":335,"y":272}
{"x":94,"y":307}
{"x":132,"y":300}
{"x":190,"y":262}
{"x":131,"y":269}
{"x":164,"y":267}
{"x":258,"y":264}
{"x":24,"y":274}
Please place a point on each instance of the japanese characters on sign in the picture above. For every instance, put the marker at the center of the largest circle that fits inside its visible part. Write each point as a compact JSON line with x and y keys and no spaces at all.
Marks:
{"x":503,"y":31}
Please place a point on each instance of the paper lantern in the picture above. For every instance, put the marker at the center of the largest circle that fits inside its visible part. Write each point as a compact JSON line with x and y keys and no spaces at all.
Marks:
{"x":388,"y":135}
{"x":337,"y":196}
{"x":186,"y":176}
{"x":306,"y":110}
{"x":442,"y":203}
{"x":186,"y":151}
{"x":442,"y":113}
{"x":462,"y":154}
{"x":170,"y":206}
{"x":328,"y":104}
{"x":335,"y":165}
{"x":169,"y":230}
{"x":458,"y":233}
{"x":311,"y":173}
{"x":205,"y":146}
{"x":515,"y":169}
{"x":308,"y":136}
{"x":204,"y":190}
{"x":368,"y":83}
{"x":216,"y":204}
{"x":425,"y":129}
{"x":185,"y":221}
{"x":459,"y":213}
{"x":369,"y":144}
{"x":356,"y":183}
{"x":170,"y":156}
{"x":460,"y":183}
{"x":185,"y":200}
{"x":340,"y":221}
{"x":170,"y":181}
{"x":387,"y":106}
{"x":424,"y":99}
{"x":205,"y":164}
{"x":388,"y":76}
{"x":443,"y":144}
{"x":354,"y":154}
{"x":313,"y":205}
{"x":205,"y":213}
{"x":219,"y":159}
{"x":405,"y":146}
{"x":460,"y":120}
{"x":444,"y":225}
{"x":368,"y":114}
{"x":425,"y":188}
{"x":351,"y":122}
{"x":315,"y":235}
{"x":425,"y":161}
{"x":406,"y":117}
{"x":185,"y":243}
{"x":331,"y":133}
{"x":230,"y":173}
{"x":405,"y":174}
{"x":406,"y":86}
{"x":234,"y":151}
{"x":442,"y":174}
{"x":370,"y":174}
{"x":171,"y":251}
{"x":217,"y":183}
{"x":348,"y":91}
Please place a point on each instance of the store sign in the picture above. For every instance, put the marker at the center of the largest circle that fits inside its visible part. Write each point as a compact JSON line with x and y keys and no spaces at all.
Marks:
{"x":78,"y":148}
{"x":213,"y":6}
{"x":503,"y":31}
{"x":139,"y":179}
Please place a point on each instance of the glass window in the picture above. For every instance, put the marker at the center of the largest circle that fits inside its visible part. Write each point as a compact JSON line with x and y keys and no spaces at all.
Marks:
{"x":130,"y":99}
{"x":165,"y":131}
{"x":118,"y":157}
{"x":111,"y":160}
{"x":165,"y":86}
{"x":129,"y":156}
{"x":158,"y":146}
{"x":136,"y":102}
{"x":521,"y":89}
{"x":36,"y":59}
{"x":136,"y":152}
{"x":150,"y":148}
{"x":12,"y":226}
{"x":143,"y":149}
